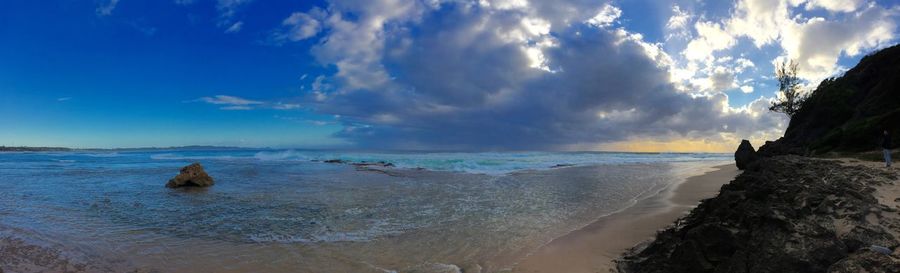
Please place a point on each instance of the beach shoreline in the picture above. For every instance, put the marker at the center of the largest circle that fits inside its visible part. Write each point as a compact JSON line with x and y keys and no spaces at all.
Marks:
{"x":285,"y":214}
{"x":593,"y":248}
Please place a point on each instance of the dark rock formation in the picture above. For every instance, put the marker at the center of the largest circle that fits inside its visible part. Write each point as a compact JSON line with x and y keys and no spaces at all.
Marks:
{"x":848,"y":114}
{"x":374,"y":164}
{"x":379,"y":167}
{"x":744,"y":155}
{"x":191,"y":176}
{"x":780,"y":147}
{"x":786,"y":214}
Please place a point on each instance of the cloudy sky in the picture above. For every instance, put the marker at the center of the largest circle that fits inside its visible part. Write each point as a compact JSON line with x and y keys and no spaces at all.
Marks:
{"x":635,"y":75}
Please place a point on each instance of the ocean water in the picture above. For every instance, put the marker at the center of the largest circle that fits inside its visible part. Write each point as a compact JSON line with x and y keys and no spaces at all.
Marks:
{"x":286,"y":211}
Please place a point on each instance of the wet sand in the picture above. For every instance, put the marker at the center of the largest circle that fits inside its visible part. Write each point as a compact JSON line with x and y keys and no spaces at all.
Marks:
{"x":593,"y":248}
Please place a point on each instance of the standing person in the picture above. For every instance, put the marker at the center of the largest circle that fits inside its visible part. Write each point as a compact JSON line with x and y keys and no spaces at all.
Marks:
{"x":886,"y":145}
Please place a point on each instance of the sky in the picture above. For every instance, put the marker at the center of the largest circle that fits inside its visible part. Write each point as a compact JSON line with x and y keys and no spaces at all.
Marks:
{"x":481,"y":75}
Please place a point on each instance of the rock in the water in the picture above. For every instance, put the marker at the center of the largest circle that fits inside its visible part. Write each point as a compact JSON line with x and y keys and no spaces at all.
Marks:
{"x":744,"y":155}
{"x":191,"y":176}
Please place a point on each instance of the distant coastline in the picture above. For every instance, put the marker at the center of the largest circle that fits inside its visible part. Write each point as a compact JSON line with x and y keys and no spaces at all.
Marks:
{"x":33,"y":149}
{"x":66,"y":149}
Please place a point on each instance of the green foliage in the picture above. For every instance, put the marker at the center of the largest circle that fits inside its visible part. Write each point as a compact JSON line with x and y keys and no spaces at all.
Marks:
{"x":791,"y":99}
{"x":847,"y":114}
{"x":856,"y":136}
{"x":832,"y":101}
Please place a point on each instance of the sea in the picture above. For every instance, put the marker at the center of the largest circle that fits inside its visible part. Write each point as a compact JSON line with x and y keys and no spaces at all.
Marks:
{"x":274,"y":210}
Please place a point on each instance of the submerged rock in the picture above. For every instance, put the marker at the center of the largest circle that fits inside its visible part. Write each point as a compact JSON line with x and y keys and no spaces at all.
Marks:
{"x":191,"y":176}
{"x":374,"y":164}
{"x":744,"y":155}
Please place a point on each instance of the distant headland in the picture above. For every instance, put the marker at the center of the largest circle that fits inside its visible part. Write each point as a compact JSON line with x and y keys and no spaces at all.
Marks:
{"x":66,"y":149}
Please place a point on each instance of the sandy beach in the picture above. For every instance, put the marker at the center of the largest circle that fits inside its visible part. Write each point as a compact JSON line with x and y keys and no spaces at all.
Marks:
{"x":593,"y":248}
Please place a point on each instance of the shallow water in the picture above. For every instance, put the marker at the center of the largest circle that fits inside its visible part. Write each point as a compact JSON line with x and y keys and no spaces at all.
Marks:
{"x":278,"y":211}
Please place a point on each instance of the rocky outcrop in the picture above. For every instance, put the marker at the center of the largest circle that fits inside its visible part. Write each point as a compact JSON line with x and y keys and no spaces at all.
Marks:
{"x":848,"y":114}
{"x":366,"y":166}
{"x":360,"y":164}
{"x":780,"y":147}
{"x":744,"y":155}
{"x":785,"y":214}
{"x":191,"y":176}
{"x":381,"y":164}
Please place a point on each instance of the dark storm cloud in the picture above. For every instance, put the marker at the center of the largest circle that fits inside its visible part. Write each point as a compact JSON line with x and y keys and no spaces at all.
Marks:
{"x":461,"y":78}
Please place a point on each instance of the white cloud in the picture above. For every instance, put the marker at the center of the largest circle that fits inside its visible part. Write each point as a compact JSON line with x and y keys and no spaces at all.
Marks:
{"x":286,"y":106}
{"x":678,"y":23}
{"x":235,"y":27}
{"x":679,"y":19}
{"x":761,"y":20}
{"x":64,"y":99}
{"x":238,"y":103}
{"x":405,"y":73}
{"x":818,"y":43}
{"x":470,"y":73}
{"x":301,"y":25}
{"x":710,"y":38}
{"x":227,"y":8}
{"x":608,"y":15}
{"x":230,"y":100}
{"x":743,"y":64}
{"x":835,"y":5}
{"x":107,"y":8}
{"x":236,"y":107}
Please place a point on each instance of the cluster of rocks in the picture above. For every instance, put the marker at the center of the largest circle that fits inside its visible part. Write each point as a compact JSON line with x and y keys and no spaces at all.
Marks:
{"x":782,"y":214}
{"x":781,"y":146}
{"x":360,"y":164}
{"x":378,"y":167}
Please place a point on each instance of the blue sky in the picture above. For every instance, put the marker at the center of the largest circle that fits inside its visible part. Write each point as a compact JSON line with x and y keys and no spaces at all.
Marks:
{"x":447,"y":75}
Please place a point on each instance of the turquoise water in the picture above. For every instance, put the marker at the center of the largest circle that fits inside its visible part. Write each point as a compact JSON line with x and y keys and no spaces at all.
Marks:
{"x":285,"y":211}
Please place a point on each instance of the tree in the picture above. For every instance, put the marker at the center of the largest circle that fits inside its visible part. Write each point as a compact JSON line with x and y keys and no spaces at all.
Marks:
{"x":790,"y":100}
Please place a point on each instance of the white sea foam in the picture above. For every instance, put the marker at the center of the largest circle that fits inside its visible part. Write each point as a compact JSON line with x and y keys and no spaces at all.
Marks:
{"x":110,"y":154}
{"x":282,"y":155}
{"x":491,"y":163}
{"x":375,"y":229}
{"x":438,"y":268}
{"x":479,"y":163}
{"x":172,"y":156}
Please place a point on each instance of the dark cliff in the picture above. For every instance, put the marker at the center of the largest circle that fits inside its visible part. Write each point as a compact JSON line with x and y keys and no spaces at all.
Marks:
{"x":788,"y":213}
{"x":848,"y":113}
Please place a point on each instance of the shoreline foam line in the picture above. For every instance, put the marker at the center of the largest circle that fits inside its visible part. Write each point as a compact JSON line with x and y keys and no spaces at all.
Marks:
{"x":582,"y":249}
